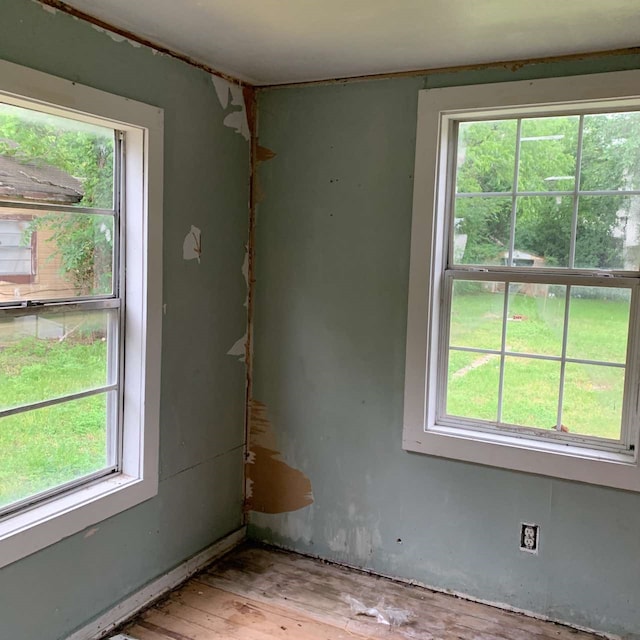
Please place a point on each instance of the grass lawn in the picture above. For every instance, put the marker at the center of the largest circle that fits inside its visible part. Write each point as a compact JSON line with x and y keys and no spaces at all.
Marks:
{"x":592,"y":401}
{"x":47,"y":447}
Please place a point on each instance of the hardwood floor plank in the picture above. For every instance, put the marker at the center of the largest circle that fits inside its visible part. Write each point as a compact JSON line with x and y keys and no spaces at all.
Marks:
{"x":253,"y":614}
{"x":141,"y":633}
{"x":257,"y":593}
{"x":315,"y":584}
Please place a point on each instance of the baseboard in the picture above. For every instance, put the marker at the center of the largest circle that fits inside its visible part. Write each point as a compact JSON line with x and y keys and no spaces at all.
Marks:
{"x":141,"y":599}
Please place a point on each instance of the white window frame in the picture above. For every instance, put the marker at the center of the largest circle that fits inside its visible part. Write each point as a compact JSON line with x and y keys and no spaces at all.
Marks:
{"x":44,"y":524}
{"x":422,"y":431}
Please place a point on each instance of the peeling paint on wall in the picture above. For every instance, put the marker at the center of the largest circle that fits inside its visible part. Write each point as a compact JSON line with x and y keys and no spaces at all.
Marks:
{"x":272,"y":485}
{"x":192,"y":245}
{"x":236,"y":119}
{"x":116,"y":37}
{"x":47,"y":8}
{"x":239,"y":349}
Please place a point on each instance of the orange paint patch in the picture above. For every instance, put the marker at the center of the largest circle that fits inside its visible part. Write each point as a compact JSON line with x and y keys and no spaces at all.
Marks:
{"x":264,"y":153}
{"x":273,"y":486}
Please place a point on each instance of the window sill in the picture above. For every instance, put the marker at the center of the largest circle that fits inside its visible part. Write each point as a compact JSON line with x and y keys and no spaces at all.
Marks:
{"x":568,"y":462}
{"x":33,"y":529}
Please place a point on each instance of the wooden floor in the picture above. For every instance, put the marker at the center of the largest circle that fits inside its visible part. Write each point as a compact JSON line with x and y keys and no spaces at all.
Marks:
{"x":261,"y":594}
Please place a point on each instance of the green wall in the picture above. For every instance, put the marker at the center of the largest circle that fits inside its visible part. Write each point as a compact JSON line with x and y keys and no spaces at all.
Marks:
{"x":50,"y":593}
{"x":333,"y":233}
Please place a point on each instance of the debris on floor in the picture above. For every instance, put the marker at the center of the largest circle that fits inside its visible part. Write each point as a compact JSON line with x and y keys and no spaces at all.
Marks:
{"x":391,"y":616}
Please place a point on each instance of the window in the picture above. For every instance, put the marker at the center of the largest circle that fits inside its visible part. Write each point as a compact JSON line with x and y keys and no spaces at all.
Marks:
{"x":17,"y":250}
{"x":522,"y":343}
{"x":80,"y":297}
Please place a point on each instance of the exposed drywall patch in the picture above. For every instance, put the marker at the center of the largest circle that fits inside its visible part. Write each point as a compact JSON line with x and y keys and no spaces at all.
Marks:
{"x":236,"y":119}
{"x":239,"y":348}
{"x":356,"y":538}
{"x":192,"y":245}
{"x":91,"y":532}
{"x":116,"y":37}
{"x":275,"y":486}
{"x":295,"y":526}
{"x":46,"y":7}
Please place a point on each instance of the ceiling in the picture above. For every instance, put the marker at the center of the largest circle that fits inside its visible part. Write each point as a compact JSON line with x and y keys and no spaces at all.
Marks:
{"x":282,"y":41}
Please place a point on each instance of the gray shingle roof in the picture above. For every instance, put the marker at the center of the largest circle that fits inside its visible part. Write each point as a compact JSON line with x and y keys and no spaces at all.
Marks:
{"x":37,"y":182}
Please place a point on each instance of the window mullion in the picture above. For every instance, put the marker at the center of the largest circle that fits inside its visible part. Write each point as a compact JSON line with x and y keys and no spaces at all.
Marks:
{"x":503,"y":346}
{"x":563,"y":356}
{"x":514,"y":198}
{"x":576,"y":196}
{"x":59,"y":400}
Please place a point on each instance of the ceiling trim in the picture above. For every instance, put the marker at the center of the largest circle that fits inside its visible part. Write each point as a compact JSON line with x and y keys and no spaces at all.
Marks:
{"x":512,"y":65}
{"x":76,"y":13}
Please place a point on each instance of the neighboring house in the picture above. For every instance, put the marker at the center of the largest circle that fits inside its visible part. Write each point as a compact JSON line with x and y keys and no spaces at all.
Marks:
{"x":28,"y":264}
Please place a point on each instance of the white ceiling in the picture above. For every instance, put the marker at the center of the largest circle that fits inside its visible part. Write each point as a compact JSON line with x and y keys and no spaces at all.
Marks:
{"x":282,"y":41}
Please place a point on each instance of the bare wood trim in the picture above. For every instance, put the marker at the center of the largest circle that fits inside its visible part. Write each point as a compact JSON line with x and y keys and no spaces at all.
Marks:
{"x":252,"y":116}
{"x":77,"y":13}
{"x":510,"y":65}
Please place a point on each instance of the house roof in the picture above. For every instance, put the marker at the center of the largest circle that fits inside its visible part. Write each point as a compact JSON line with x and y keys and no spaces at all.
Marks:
{"x":37,"y":182}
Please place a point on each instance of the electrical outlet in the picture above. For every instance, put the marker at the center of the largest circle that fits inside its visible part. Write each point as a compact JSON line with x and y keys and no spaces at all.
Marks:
{"x":529,"y":537}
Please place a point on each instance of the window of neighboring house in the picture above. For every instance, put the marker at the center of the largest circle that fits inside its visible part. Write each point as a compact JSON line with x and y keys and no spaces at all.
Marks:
{"x":17,"y":251}
{"x":79,"y":342}
{"x":522,"y":347}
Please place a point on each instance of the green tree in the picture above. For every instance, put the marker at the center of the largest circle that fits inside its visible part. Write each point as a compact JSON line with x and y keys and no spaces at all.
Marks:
{"x":547,"y":162}
{"x":83,"y":242}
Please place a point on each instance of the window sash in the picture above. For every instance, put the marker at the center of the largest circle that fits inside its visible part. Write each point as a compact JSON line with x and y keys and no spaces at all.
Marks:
{"x":448,"y":168}
{"x":523,"y":275}
{"x":113,"y":390}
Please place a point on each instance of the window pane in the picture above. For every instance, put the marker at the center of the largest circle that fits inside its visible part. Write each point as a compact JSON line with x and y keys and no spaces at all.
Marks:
{"x":55,"y":354}
{"x":598,"y":324}
{"x":530,"y":392}
{"x":592,"y":403}
{"x":608,"y":233}
{"x":49,"y":159}
{"x":476,"y":314}
{"x":42,"y":449}
{"x":472,"y":385}
{"x":548,"y":149}
{"x":69,"y":255}
{"x":543,"y":231}
{"x":535,"y":318}
{"x":486,"y":156}
{"x":610,"y":152}
{"x":481,"y":230}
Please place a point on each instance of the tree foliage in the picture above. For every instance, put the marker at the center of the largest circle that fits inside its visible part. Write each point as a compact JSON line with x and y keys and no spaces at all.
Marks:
{"x":83,"y":242}
{"x":547,"y":163}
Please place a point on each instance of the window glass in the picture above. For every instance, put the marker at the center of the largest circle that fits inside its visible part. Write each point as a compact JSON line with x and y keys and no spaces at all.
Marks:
{"x":479,"y":142}
{"x":59,"y":310}
{"x":48,"y":447}
{"x":548,"y":149}
{"x":47,"y":158}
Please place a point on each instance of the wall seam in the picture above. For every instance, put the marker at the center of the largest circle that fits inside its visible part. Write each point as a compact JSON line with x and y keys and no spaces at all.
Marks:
{"x":252,"y":118}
